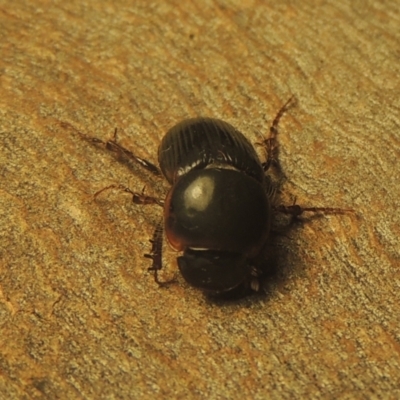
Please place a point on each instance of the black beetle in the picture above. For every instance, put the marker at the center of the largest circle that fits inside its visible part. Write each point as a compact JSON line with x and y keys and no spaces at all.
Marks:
{"x":218,"y":209}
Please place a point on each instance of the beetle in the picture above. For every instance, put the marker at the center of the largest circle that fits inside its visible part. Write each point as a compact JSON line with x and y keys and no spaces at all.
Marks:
{"x":218,"y":209}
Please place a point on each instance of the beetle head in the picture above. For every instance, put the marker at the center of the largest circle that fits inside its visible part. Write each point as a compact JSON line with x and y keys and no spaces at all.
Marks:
{"x":213,"y":271}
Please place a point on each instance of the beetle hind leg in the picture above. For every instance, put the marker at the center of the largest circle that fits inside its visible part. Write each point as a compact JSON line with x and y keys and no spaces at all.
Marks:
{"x":270,"y":143}
{"x":113,"y":146}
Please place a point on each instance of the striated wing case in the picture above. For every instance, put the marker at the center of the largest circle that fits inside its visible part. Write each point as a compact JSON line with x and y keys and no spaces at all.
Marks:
{"x":200,"y":142}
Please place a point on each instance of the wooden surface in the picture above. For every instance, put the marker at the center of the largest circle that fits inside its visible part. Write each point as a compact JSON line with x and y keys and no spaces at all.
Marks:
{"x":80,"y":316}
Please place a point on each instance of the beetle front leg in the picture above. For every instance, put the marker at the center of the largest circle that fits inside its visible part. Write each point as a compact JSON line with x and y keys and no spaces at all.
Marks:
{"x":156,"y":254}
{"x":157,"y":239}
{"x":137,"y":198}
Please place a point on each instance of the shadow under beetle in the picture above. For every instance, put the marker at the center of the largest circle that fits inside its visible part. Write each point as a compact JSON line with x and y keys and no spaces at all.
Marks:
{"x":218,"y":209}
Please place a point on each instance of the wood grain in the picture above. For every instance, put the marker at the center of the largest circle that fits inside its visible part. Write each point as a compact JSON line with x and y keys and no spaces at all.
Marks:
{"x":80,"y":317}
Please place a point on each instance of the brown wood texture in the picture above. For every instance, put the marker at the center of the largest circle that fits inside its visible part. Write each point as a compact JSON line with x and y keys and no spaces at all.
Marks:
{"x":80,"y":316}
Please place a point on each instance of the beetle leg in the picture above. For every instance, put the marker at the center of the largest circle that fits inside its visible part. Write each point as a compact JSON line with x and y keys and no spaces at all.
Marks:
{"x":270,"y":145}
{"x":156,"y":254}
{"x":255,"y":283}
{"x":157,"y":239}
{"x":137,"y":198}
{"x":113,"y":146}
{"x":295,"y":210}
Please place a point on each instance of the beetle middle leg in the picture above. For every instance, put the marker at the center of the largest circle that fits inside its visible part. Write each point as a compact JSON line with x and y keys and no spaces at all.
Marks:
{"x":137,"y":198}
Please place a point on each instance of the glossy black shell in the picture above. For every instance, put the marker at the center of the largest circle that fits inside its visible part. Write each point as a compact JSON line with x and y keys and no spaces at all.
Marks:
{"x":200,"y":142}
{"x":219,"y":209}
